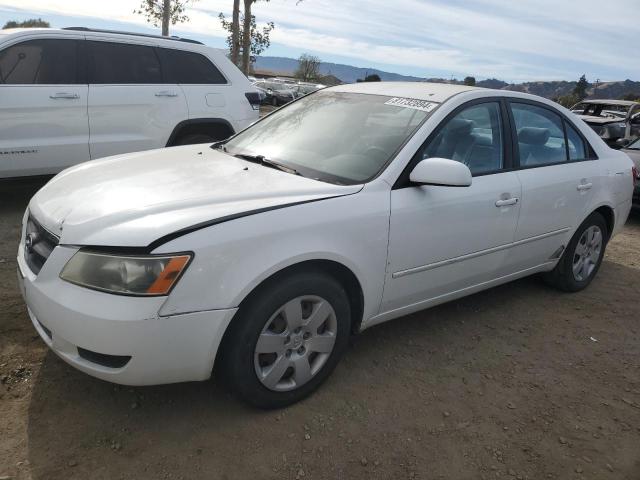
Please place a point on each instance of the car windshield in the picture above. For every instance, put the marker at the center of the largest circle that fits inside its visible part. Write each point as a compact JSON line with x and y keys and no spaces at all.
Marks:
{"x":343,"y":138}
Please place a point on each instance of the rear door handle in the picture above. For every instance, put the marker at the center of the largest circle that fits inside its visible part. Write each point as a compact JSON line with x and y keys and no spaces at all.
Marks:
{"x":64,"y":95}
{"x":585,"y":186}
{"x":166,"y":93}
{"x":506,"y":202}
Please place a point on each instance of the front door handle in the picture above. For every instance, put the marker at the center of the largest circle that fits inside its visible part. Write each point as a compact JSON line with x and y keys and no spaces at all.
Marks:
{"x":166,"y":93}
{"x":65,"y":95}
{"x":506,"y":202}
{"x":585,"y":186}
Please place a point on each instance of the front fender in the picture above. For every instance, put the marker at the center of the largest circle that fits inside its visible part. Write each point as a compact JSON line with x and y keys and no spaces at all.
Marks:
{"x":233,"y":258}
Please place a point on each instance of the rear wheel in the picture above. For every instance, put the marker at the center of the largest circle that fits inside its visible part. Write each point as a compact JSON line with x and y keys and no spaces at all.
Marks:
{"x":582,"y":257}
{"x":286,"y":339}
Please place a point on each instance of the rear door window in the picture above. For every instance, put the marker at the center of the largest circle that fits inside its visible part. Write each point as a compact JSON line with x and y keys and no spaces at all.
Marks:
{"x":540,"y":135}
{"x":40,"y":62}
{"x":121,"y":63}
{"x":193,"y":68}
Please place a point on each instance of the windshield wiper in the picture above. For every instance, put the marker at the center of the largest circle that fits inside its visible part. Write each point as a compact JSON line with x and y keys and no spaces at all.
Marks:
{"x":261,"y":159}
{"x":219,"y":145}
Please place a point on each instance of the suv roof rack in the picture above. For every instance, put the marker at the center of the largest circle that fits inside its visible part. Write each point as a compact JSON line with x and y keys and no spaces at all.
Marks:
{"x":119,"y":32}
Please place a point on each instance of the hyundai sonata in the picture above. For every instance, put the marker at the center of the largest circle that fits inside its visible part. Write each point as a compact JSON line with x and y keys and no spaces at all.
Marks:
{"x":256,"y":258}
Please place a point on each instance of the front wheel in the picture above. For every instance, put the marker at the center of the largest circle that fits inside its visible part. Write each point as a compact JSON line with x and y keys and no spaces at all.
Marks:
{"x":286,"y":339}
{"x":582,"y":257}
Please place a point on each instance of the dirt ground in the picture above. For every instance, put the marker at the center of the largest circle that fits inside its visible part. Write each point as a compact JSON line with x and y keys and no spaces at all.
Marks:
{"x":519,"y":382}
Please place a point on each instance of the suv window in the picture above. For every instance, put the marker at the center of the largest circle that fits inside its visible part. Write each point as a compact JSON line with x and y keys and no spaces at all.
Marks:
{"x":189,"y":68}
{"x":43,"y":62}
{"x":120,"y":63}
{"x":473,"y":137}
{"x":540,"y":132}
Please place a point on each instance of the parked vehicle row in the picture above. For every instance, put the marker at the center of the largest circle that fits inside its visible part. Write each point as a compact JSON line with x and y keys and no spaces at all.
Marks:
{"x":617,"y":122}
{"x":633,"y":150}
{"x":257,"y":258}
{"x":71,"y":95}
{"x":278,"y":92}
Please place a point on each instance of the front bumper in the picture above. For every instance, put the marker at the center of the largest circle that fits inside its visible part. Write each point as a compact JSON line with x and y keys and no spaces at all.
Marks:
{"x":147,"y":348}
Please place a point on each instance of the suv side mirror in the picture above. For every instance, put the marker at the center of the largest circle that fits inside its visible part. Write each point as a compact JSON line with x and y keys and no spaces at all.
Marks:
{"x":441,"y":171}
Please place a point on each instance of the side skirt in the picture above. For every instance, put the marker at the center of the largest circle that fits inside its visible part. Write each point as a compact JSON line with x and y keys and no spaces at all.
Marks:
{"x":432,"y":302}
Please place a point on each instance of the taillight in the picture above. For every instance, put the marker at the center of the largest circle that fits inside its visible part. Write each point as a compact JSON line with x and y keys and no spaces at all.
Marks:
{"x":254,"y":99}
{"x":636,"y":175}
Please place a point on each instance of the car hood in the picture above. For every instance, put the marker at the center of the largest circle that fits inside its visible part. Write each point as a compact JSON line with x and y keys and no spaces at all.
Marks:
{"x":600,"y":120}
{"x":135,"y":199}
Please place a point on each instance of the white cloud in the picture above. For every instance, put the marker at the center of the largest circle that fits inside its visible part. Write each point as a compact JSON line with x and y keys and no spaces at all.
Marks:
{"x":512,"y":39}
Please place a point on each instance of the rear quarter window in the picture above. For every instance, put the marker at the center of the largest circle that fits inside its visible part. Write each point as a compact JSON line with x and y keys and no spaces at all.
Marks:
{"x":189,"y":68}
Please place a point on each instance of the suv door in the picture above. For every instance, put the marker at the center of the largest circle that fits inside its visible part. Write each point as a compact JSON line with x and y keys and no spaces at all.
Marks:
{"x":558,"y":172}
{"x":131,"y":108}
{"x":206,"y":90}
{"x":445,"y":240}
{"x":43,"y":107}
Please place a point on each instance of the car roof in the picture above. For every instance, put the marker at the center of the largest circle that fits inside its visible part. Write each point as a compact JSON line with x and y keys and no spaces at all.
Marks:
{"x":97,"y":33}
{"x":625,"y":103}
{"x":436,"y":92}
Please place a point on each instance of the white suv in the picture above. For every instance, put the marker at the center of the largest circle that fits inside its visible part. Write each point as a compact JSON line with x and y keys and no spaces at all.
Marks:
{"x":75,"y":94}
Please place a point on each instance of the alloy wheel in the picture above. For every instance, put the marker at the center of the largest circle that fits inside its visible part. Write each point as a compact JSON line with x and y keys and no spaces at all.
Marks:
{"x":587,"y":253}
{"x":295,"y":343}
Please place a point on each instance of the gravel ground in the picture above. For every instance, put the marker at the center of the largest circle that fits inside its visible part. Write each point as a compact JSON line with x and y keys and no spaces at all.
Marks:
{"x":520,"y":381}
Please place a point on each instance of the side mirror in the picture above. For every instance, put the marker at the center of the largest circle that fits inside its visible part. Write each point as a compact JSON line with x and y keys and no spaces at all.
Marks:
{"x":622,"y":142}
{"x":441,"y":171}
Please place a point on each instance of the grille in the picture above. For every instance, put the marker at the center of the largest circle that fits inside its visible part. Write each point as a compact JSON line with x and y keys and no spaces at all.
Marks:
{"x":38,"y":245}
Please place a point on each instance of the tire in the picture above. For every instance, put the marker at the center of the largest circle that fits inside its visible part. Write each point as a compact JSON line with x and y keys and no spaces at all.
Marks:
{"x":195,"y":139}
{"x":572,"y":275}
{"x":274,"y":379}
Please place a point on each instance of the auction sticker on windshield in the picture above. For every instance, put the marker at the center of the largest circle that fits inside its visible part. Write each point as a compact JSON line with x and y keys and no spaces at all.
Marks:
{"x":414,"y":103}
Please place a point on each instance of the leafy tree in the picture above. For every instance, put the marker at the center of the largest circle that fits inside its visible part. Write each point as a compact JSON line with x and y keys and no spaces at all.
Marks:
{"x":164,"y":12}
{"x":580,"y":89}
{"x":633,"y":96}
{"x":568,"y":100}
{"x":31,"y":23}
{"x":470,"y":81}
{"x":258,"y":39}
{"x":308,"y":68}
{"x":372,"y":77}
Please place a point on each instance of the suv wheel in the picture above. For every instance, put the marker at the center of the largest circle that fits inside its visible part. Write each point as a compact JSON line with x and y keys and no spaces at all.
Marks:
{"x":195,"y":139}
{"x":583,"y":256}
{"x":286,"y":340}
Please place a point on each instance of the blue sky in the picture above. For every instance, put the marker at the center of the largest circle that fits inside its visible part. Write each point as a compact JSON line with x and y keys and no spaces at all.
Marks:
{"x":514,"y":40}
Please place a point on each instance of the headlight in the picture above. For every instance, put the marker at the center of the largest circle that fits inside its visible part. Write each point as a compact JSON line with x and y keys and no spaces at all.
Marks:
{"x":144,"y":275}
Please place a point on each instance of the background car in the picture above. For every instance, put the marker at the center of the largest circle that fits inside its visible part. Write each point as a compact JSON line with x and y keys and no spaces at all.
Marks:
{"x":633,"y":150}
{"x":72,"y":95}
{"x":276,"y":93}
{"x":303,"y":88}
{"x":611,"y":119}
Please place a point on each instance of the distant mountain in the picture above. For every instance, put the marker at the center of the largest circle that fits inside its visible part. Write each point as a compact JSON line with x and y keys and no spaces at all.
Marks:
{"x":550,"y":89}
{"x":346,"y":73}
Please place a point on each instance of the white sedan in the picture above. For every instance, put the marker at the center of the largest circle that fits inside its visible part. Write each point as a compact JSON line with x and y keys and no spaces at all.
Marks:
{"x":258,"y":257}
